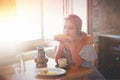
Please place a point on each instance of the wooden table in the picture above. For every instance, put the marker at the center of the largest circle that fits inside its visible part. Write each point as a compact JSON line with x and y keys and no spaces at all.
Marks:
{"x":30,"y":74}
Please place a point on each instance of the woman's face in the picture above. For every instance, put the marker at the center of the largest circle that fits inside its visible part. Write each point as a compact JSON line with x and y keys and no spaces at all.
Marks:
{"x":69,"y":28}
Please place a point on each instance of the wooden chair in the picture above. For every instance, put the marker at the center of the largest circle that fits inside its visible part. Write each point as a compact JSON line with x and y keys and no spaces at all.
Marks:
{"x":96,"y":61}
{"x":28,"y":49}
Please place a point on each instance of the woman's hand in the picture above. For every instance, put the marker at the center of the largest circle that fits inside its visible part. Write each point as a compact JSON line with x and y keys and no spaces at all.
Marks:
{"x":72,"y":44}
{"x":59,"y":51}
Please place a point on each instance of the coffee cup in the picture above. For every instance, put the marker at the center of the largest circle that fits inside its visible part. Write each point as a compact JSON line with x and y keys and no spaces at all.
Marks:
{"x":62,"y":62}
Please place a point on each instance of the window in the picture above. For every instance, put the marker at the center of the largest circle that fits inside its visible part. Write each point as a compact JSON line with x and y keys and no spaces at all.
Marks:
{"x":52,"y":17}
{"x":79,"y":7}
{"x":37,"y":19}
{"x":7,"y":21}
{"x":28,"y":13}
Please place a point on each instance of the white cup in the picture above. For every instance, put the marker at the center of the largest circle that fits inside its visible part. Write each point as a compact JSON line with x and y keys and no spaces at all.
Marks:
{"x":62,"y":62}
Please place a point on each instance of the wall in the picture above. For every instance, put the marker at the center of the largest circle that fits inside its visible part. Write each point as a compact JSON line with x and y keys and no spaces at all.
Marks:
{"x":105,"y":17}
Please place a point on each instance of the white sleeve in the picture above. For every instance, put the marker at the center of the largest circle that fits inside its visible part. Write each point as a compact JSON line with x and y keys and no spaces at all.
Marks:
{"x":88,"y":53}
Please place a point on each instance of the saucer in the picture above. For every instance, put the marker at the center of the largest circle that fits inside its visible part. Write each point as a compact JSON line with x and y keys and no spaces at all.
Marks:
{"x":65,"y":67}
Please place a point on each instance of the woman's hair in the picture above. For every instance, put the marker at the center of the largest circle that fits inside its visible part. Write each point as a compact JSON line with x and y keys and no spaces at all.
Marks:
{"x":76,"y":21}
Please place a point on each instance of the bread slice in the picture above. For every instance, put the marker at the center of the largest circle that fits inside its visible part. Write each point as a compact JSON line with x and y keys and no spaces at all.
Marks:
{"x":61,"y":37}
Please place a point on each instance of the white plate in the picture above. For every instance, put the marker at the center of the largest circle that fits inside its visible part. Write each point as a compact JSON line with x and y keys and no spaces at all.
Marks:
{"x":51,"y":71}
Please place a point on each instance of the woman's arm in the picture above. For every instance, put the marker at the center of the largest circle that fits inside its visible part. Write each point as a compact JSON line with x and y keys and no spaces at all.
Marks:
{"x":75,"y":55}
{"x":59,"y":51}
{"x":74,"y":50}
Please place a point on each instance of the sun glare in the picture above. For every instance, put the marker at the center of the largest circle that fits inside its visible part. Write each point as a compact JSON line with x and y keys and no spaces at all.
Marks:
{"x":7,"y":21}
{"x":19,"y":21}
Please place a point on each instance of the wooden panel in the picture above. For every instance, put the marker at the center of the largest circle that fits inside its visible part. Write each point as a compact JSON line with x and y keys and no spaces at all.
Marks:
{"x":109,"y":56}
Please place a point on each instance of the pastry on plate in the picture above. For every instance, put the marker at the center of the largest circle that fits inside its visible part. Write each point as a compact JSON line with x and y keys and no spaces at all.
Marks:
{"x":43,"y":71}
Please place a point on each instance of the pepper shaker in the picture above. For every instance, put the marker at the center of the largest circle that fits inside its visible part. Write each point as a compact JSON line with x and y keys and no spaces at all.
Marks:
{"x":41,"y":60}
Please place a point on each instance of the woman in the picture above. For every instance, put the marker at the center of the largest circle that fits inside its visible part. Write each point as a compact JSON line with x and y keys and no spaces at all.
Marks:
{"x":75,"y":49}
